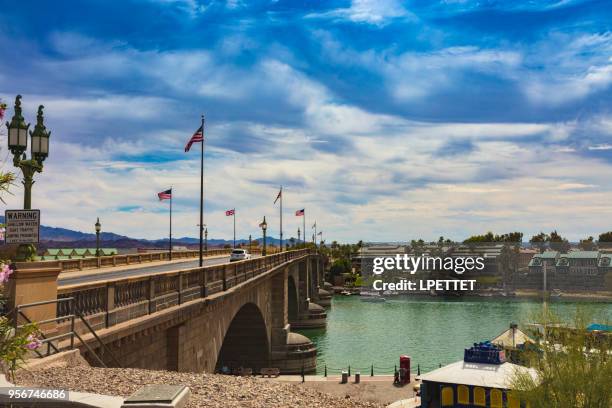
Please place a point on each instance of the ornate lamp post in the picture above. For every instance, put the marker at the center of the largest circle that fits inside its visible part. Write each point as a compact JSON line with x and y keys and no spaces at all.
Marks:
{"x":298,"y":235}
{"x":18,"y":144}
{"x":264,"y":227}
{"x":98,"y":229}
{"x":250,"y":246}
{"x":206,"y":240}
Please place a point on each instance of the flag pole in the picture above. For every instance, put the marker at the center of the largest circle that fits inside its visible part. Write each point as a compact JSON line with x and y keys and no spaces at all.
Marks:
{"x":304,"y":220}
{"x":170,"y":242}
{"x":202,"y":194}
{"x":281,"y":218}
{"x":234,"y":228}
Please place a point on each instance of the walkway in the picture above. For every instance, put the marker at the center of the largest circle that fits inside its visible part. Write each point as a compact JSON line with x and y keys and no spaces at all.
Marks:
{"x":94,"y":275}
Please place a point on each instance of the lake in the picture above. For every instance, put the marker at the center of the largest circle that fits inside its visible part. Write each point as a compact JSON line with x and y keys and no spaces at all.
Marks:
{"x":431,"y":330}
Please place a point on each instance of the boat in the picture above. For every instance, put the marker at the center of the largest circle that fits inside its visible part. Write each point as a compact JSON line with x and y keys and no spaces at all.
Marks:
{"x":346,"y":293}
{"x":373,"y":297}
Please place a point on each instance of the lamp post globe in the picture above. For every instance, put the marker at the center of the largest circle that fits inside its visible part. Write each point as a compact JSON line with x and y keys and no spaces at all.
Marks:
{"x":264,"y":227}
{"x":17,"y":131}
{"x":98,"y":229}
{"x":40,"y":138}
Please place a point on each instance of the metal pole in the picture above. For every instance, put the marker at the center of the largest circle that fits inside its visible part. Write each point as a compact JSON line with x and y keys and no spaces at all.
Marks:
{"x":170,"y":241}
{"x":264,"y":243}
{"x":304,"y":230}
{"x":281,"y":218}
{"x":250,"y":251}
{"x":234,"y":214}
{"x":202,"y":193}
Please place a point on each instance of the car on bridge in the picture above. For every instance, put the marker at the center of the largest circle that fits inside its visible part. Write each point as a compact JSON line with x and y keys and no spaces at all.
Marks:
{"x":239,"y":255}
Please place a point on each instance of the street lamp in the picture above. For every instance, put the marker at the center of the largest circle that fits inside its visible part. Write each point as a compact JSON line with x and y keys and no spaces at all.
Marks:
{"x":264,"y":227}
{"x":250,"y":246}
{"x":298,"y":235}
{"x":98,"y":229}
{"x":18,"y":144}
{"x":206,"y":240}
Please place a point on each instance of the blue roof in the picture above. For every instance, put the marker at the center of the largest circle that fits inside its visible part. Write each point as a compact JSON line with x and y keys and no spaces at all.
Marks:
{"x":600,"y":327}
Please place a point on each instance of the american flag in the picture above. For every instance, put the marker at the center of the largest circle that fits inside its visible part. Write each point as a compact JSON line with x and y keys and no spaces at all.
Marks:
{"x":198,"y":137}
{"x":230,"y":212}
{"x":299,"y":213}
{"x":280,"y":193}
{"x":165,"y":195}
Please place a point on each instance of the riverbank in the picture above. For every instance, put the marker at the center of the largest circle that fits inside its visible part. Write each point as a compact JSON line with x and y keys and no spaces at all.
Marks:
{"x":207,"y":390}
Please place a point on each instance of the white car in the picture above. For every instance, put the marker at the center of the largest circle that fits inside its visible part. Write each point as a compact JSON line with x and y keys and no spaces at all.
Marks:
{"x":239,"y":255}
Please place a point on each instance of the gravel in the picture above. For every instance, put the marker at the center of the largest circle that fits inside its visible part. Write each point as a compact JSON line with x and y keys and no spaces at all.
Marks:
{"x":207,"y":390}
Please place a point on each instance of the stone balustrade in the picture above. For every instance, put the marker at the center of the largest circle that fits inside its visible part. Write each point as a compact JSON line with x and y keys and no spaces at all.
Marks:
{"x":67,"y":265}
{"x":108,"y":303}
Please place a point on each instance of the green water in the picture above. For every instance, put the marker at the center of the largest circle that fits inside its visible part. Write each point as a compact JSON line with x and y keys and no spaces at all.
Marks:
{"x":432,"y":331}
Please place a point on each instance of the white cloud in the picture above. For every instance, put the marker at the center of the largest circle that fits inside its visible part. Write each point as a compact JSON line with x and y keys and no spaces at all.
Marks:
{"x":375,"y":12}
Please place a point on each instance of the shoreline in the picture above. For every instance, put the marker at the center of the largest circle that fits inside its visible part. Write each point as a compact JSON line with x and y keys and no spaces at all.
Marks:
{"x":530,"y":294}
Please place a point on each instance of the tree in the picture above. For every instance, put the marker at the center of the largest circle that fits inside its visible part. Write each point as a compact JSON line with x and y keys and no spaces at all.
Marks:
{"x":558,"y":243}
{"x":605,"y":237}
{"x":566,"y":375}
{"x":587,"y":244}
{"x":539,"y":241}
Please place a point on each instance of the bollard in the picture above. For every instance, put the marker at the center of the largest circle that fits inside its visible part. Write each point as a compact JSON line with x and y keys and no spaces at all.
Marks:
{"x":372,"y":371}
{"x":418,"y":369}
{"x":349,"y":371}
{"x":344,"y":377}
{"x":303,"y":379}
{"x":357,"y":377}
{"x":325,"y":375}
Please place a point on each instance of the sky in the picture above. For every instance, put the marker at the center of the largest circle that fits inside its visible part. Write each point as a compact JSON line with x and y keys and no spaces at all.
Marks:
{"x":385,"y":120}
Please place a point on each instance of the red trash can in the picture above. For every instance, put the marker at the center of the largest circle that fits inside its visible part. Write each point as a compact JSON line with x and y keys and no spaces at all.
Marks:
{"x":404,"y":369}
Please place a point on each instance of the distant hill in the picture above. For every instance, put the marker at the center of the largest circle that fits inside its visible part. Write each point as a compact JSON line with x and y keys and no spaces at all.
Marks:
{"x":54,"y":237}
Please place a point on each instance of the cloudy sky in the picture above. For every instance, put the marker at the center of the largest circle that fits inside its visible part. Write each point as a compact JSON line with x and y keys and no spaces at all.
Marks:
{"x":386,"y":120}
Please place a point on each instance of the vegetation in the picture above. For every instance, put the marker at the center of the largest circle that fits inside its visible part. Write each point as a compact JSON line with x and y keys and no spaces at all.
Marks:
{"x":573,"y":366}
{"x":553,"y":240}
{"x":587,"y":244}
{"x":490,"y":237}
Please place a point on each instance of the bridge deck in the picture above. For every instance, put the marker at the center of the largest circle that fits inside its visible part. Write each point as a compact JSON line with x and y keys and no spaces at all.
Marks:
{"x":95,"y":275}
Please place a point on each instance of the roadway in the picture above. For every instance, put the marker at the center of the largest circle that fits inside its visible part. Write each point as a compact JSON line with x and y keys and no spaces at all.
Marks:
{"x":89,"y":276}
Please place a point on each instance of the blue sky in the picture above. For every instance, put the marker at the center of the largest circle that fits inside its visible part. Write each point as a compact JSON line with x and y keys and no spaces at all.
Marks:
{"x":386,"y":120}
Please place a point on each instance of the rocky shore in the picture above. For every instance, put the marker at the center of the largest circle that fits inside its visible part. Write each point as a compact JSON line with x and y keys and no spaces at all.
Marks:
{"x":208,"y":390}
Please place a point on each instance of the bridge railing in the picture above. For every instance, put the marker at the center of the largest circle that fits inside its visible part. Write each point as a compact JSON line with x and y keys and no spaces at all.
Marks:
{"x":130,"y":259}
{"x":111,"y":302}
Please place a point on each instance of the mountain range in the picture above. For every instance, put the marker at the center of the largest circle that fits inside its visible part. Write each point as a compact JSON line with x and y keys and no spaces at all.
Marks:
{"x":54,"y":237}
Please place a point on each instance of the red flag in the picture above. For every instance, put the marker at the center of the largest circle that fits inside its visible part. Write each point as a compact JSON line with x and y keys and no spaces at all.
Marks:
{"x":198,"y":137}
{"x":299,"y":213}
{"x":230,"y":212}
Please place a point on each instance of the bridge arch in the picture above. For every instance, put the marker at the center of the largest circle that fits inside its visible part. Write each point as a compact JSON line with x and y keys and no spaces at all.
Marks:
{"x":245,"y":343}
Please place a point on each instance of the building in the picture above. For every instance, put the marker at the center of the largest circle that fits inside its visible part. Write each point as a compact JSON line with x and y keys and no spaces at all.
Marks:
{"x":482,"y":379}
{"x":572,"y":271}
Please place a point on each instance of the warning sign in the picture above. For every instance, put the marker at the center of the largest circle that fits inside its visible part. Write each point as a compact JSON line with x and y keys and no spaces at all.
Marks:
{"x":22,"y":226}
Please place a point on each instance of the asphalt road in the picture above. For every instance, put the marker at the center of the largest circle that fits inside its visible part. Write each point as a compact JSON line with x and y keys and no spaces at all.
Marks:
{"x":141,"y":270}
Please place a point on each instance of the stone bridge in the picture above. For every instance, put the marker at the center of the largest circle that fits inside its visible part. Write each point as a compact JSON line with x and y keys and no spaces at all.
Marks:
{"x":198,"y":320}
